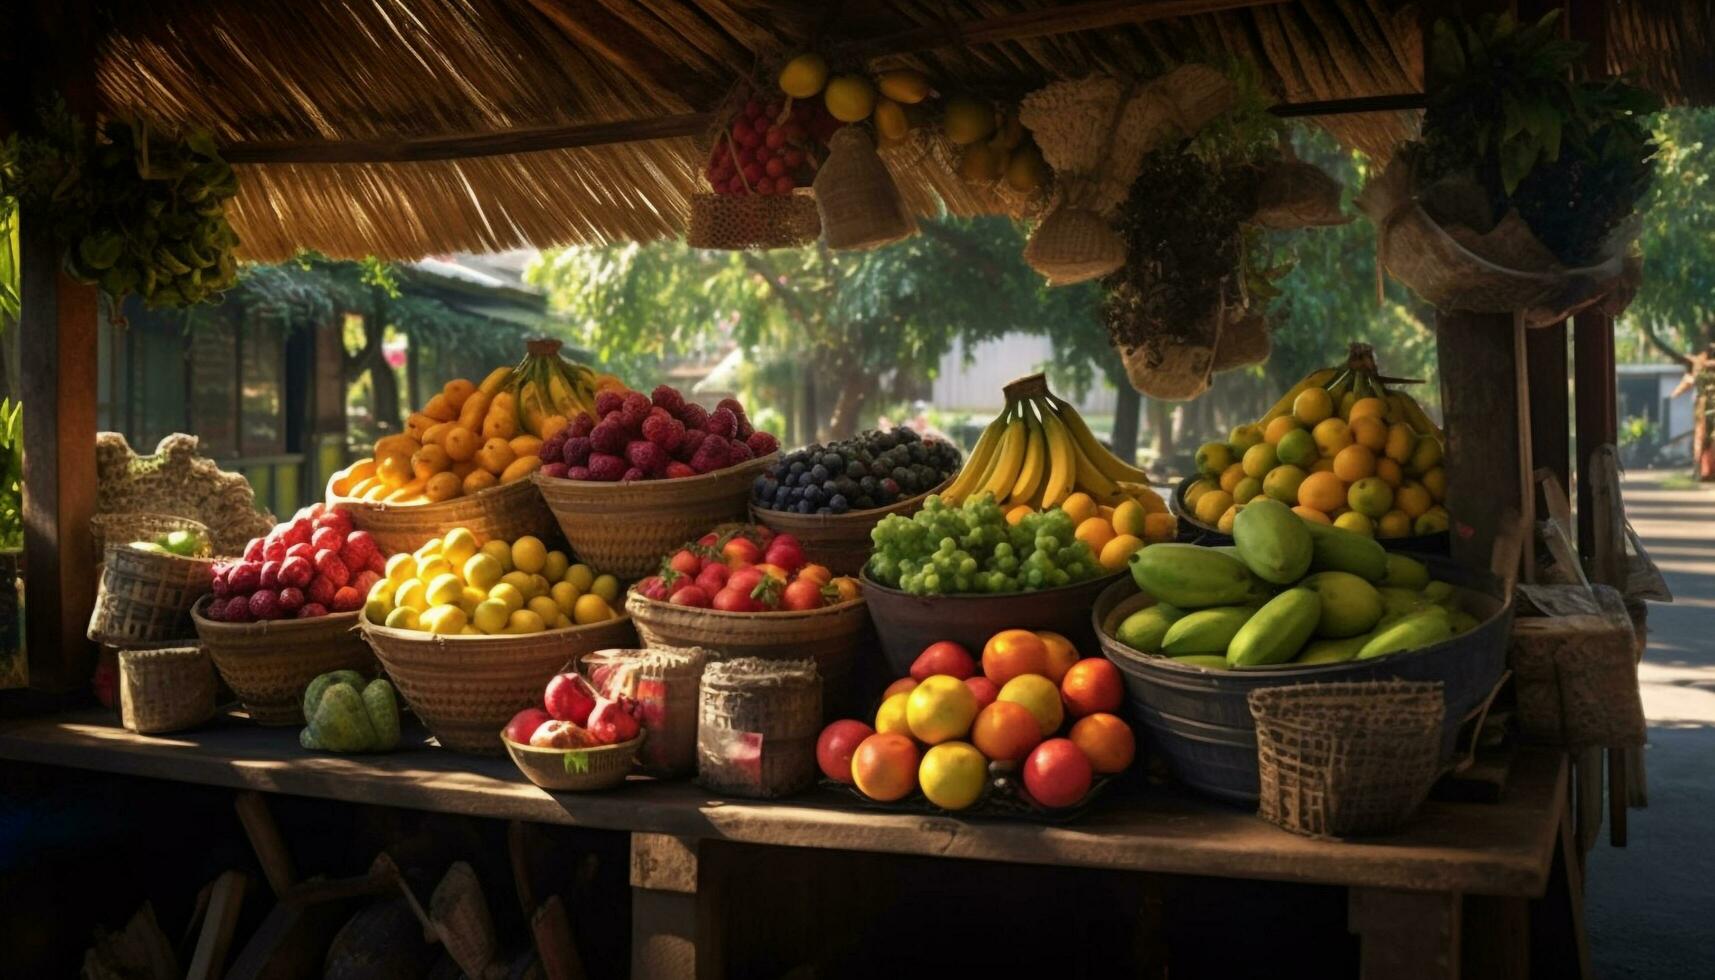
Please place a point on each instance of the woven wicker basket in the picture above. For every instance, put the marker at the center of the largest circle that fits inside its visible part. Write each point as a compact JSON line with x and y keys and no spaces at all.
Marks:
{"x":122,"y":529}
{"x":503,"y":513}
{"x":856,"y":196}
{"x":1346,"y":759}
{"x":269,"y":663}
{"x":742,"y":223}
{"x":839,"y":541}
{"x":666,"y":682}
{"x":1074,"y":245}
{"x":576,"y":770}
{"x":165,"y":689}
{"x":624,"y":528}
{"x":757,"y":727}
{"x":830,"y":637}
{"x":146,"y":597}
{"x":1576,"y":677}
{"x":466,"y":688}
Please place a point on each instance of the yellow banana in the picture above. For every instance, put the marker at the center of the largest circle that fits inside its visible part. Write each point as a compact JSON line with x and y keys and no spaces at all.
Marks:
{"x":1062,"y":470}
{"x":1338,"y":388}
{"x":1418,"y":419}
{"x":977,"y":463}
{"x":1315,"y":379}
{"x":1092,"y":480}
{"x":1111,"y":466}
{"x":495,"y":381}
{"x":1035,"y":457}
{"x":1010,"y":458}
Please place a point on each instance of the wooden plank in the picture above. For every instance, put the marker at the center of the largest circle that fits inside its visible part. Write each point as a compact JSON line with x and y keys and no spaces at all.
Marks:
{"x":460,"y":146}
{"x":209,"y":960}
{"x":1496,"y":938}
{"x":266,"y":841}
{"x":1550,"y":408}
{"x":1475,"y":353}
{"x":669,"y":938}
{"x":633,"y":53}
{"x":1595,"y":414}
{"x":1501,"y":849}
{"x":1406,"y":935}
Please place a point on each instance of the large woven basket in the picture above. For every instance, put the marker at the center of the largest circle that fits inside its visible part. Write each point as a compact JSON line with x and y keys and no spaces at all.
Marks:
{"x":122,"y":529}
{"x":839,"y":541}
{"x":1346,"y":759}
{"x":146,"y":597}
{"x":466,"y":688}
{"x":624,"y":529}
{"x":269,"y":663}
{"x":576,"y":770}
{"x":166,"y":689}
{"x":503,"y":513}
{"x":830,"y":636}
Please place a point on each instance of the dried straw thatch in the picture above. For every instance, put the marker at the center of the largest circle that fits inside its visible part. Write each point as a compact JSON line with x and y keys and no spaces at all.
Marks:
{"x":391,"y":71}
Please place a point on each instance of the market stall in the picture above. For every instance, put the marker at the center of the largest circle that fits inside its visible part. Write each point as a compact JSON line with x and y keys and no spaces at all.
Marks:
{"x":588,"y":590}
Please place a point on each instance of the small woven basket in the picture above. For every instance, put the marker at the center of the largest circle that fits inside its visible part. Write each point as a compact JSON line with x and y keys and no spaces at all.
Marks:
{"x":739,"y":223}
{"x":466,"y":688}
{"x":122,"y":529}
{"x":1074,"y":245}
{"x":839,"y":541}
{"x":146,"y":597}
{"x":576,"y":770}
{"x":830,"y":636}
{"x":625,"y":528}
{"x":1346,"y":759}
{"x":858,"y":201}
{"x":667,"y":683}
{"x":269,"y":663}
{"x":1576,"y":677}
{"x":757,"y":727}
{"x":503,"y":513}
{"x":166,"y":689}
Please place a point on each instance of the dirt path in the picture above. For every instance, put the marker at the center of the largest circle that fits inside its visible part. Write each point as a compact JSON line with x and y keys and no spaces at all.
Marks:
{"x":1648,"y":908}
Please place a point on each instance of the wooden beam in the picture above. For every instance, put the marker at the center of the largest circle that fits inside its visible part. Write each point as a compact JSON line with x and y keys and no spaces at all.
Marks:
{"x":466,"y":145}
{"x":1045,"y":22}
{"x":1346,"y":107}
{"x":1474,"y":352}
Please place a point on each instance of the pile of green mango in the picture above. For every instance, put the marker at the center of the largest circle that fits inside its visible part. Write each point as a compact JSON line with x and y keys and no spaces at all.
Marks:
{"x":1286,"y":591}
{"x":344,"y":714}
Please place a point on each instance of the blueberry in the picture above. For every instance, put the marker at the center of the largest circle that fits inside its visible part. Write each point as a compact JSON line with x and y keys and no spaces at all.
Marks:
{"x":820,"y":472}
{"x":796,"y":468}
{"x":837,"y":504}
{"x":813,"y":494}
{"x":856,"y":470}
{"x":805,"y":507}
{"x":868,"y":484}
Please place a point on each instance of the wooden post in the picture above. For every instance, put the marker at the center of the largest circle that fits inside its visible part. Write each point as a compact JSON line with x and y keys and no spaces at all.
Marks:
{"x":1476,"y":366}
{"x":1405,"y":935}
{"x":1550,"y":416}
{"x":669,"y":934}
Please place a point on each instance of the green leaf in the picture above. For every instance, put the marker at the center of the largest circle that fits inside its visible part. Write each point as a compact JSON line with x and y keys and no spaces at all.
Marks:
{"x":576,"y":762}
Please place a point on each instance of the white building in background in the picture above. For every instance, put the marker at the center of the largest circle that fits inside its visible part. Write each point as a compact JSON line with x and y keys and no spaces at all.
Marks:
{"x":1645,"y":390}
{"x":974,"y":384}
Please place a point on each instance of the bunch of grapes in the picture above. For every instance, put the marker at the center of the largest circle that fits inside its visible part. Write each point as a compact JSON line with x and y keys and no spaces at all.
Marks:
{"x":770,"y":149}
{"x":948,"y":550}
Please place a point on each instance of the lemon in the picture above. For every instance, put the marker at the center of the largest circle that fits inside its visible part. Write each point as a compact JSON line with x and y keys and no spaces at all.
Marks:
{"x":1371,"y":497}
{"x":1393,"y":524}
{"x":1259,"y":459}
{"x":1196,"y":490}
{"x":966,"y":120}
{"x":384,"y":588}
{"x":607,"y":587}
{"x":401,"y":567}
{"x":434,"y":568}
{"x":890,"y":717}
{"x":444,"y":619}
{"x":1357,"y":523}
{"x":482,"y":570}
{"x":1213,"y":457}
{"x":1247,"y":490}
{"x":554,"y":567}
{"x":1118,"y":551}
{"x":591,"y":608}
{"x":903,"y":85}
{"x":891,"y":122}
{"x":803,"y":76}
{"x":1425,"y":457}
{"x":529,"y":555}
{"x":501,"y":552}
{"x":490,"y":615}
{"x":412,"y":593}
{"x":564,"y":595}
{"x":430,"y":549}
{"x":561,"y":623}
{"x":545,"y":607}
{"x":458,"y":545}
{"x":470,"y":630}
{"x":470,"y":598}
{"x":444,"y":589}
{"x":524,"y":582}
{"x":953,"y":775}
{"x":1212,"y":505}
{"x":1128,"y":518}
{"x":377,"y":607}
{"x":508,"y":594}
{"x":524,"y":621}
{"x":404,"y":618}
{"x":1433,"y":521}
{"x":581,"y":576}
{"x":1080,"y":507}
{"x":1312,"y":406}
{"x":849,"y":98}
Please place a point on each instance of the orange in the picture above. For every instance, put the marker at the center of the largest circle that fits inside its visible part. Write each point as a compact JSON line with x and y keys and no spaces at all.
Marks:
{"x":1040,"y":697}
{"x":900,"y":686}
{"x":1106,"y":740}
{"x":884,"y":766}
{"x":1331,"y":435}
{"x":1005,"y":731}
{"x":1061,"y":654}
{"x":1095,"y":532}
{"x":1212,"y":505}
{"x":1231,"y":476}
{"x":1311,"y":514}
{"x":1017,"y":514}
{"x":1160,"y":527}
{"x":1312,"y":405}
{"x":1092,"y":685}
{"x":1354,"y":462}
{"x":1370,"y":432}
{"x":1413,"y":499}
{"x":1279,"y":427}
{"x":1435,"y":481}
{"x":1010,"y":653}
{"x":1370,"y":497}
{"x":1401,"y":442}
{"x":1080,"y":507}
{"x":1323,"y":465}
{"x":1259,"y":459}
{"x":1393,"y":524}
{"x":1389,"y":472}
{"x":1367,"y":408}
{"x":1324,"y":492}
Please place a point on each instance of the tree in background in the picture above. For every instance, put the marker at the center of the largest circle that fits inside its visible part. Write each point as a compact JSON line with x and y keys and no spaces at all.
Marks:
{"x":1674,"y":311}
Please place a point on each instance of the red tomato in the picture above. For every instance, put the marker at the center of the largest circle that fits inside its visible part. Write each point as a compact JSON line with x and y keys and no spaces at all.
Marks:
{"x":729,"y":600}
{"x":744,"y":579}
{"x":740,"y":552}
{"x":815,"y":573}
{"x":686,"y":562}
{"x":801,"y":595}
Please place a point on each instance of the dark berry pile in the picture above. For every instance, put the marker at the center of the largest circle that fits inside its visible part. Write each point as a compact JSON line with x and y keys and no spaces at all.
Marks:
{"x":873,"y":470}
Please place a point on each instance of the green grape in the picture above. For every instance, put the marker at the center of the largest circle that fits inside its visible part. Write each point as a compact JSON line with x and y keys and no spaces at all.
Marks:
{"x":967,"y":566}
{"x":932,"y":582}
{"x":1058,"y":577}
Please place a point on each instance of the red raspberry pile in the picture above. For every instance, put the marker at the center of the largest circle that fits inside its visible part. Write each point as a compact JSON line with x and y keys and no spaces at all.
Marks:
{"x":312,"y":565}
{"x":659,"y":436}
{"x":772,"y":150}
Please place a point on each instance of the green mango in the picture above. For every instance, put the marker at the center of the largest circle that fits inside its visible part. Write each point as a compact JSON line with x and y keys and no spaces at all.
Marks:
{"x":1206,"y":630}
{"x":1405,"y":573}
{"x":1207,"y":661}
{"x":1425,"y":627}
{"x":1145,"y":629}
{"x":1331,"y":651}
{"x":1335,"y":549}
{"x":1277,"y":631}
{"x":1463,"y":622}
{"x":383,"y":711}
{"x":1190,"y":577}
{"x":1350,"y":605}
{"x":1273,"y":542}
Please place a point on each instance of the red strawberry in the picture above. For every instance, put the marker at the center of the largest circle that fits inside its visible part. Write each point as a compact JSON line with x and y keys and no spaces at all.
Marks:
{"x":329,"y":566}
{"x":713,"y":577}
{"x":653,"y":587}
{"x":297,"y":532}
{"x":310,"y":610}
{"x":690,"y":595}
{"x":305,"y":550}
{"x":296,"y":572}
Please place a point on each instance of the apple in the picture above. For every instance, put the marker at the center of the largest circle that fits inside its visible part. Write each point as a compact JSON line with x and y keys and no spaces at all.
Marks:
{"x":1057,"y":773}
{"x":835,"y":746}
{"x":985,"y":690}
{"x":560,"y":735}
{"x":524,"y":724}
{"x":569,"y":698}
{"x":945,"y":657}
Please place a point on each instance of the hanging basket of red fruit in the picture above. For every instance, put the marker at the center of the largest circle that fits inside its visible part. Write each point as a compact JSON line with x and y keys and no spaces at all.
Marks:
{"x":760,"y":165}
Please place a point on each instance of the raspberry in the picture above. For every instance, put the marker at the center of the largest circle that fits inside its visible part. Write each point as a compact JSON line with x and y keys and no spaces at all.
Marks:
{"x":668,"y":397}
{"x":358,"y":547}
{"x":635,"y":410}
{"x":606,"y":467}
{"x":296,"y":572}
{"x":329,"y":566}
{"x":555,"y":470}
{"x":219,"y":585}
{"x":273,"y":548}
{"x":688,"y":444}
{"x":677,"y":470}
{"x":581,"y":425}
{"x":215,"y":610}
{"x":310,"y":610}
{"x":321,"y":590}
{"x":337,"y":519}
{"x":577,"y":451}
{"x":646,"y":456}
{"x":326,"y":539}
{"x":608,"y":437}
{"x":577,"y":472}
{"x":253,"y":550}
{"x":608,"y":401}
{"x":347,"y":599}
{"x":306,"y":551}
{"x":264,"y":604}
{"x":297,"y":532}
{"x":553,"y":447}
{"x":737,"y":451}
{"x":237,"y":610}
{"x":694,"y":416}
{"x":291,"y":600}
{"x":664,"y":431}
{"x":743,"y":429}
{"x":722,"y":422}
{"x":365,"y":581}
{"x":762,"y":443}
{"x":710,"y":456}
{"x":633,"y":474}
{"x":245,"y":577}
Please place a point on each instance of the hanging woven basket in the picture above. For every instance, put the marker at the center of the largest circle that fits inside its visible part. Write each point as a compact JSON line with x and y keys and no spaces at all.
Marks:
{"x":858,"y":201}
{"x":741,"y":223}
{"x":1074,"y":245}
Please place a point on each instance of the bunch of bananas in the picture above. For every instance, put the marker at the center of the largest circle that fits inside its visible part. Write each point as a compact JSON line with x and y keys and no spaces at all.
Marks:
{"x":1038,"y":451}
{"x":551,"y":389}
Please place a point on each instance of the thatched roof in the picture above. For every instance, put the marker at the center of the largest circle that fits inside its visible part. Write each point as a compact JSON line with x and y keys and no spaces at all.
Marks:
{"x":388,"y":72}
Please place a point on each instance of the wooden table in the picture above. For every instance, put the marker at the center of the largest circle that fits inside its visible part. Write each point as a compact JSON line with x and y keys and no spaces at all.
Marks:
{"x":1406,"y":890}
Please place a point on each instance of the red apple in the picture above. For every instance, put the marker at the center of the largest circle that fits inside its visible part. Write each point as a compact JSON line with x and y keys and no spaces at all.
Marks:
{"x":1057,"y":773}
{"x":560,"y":735}
{"x":524,"y":724}
{"x":835,"y":746}
{"x":945,"y":657}
{"x":985,"y":690}
{"x":569,"y":698}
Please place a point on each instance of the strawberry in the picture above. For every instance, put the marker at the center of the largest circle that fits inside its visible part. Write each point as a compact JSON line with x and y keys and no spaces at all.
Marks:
{"x":678,"y":471}
{"x":321,"y":590}
{"x":347,"y":599}
{"x":326,"y":539}
{"x":690,"y":595}
{"x":253,"y":550}
{"x":654,"y":587}
{"x":296,"y":572}
{"x":802,"y":595}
